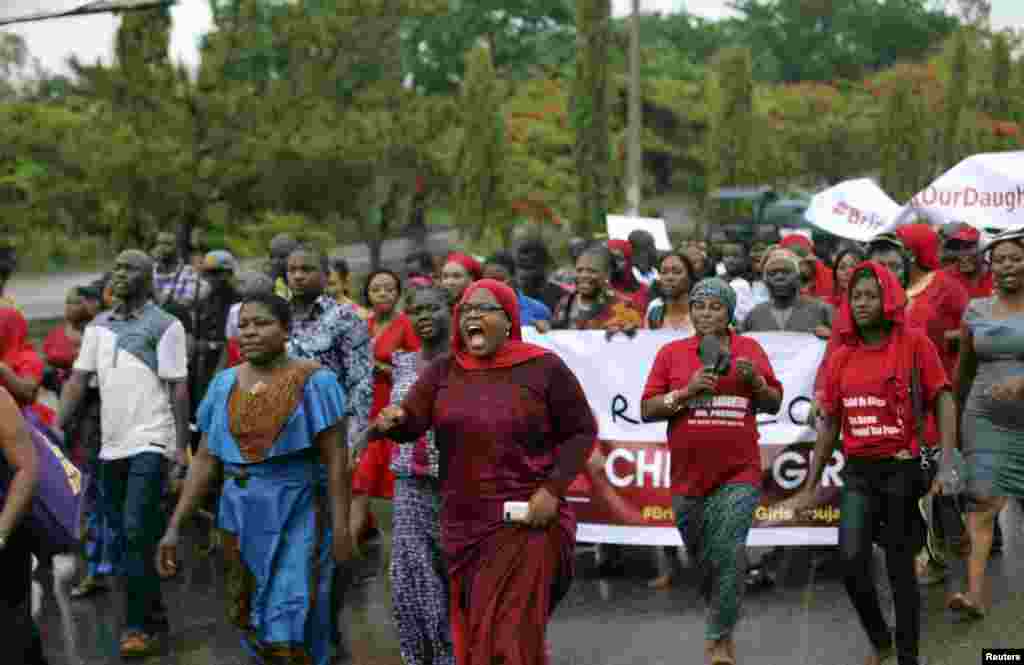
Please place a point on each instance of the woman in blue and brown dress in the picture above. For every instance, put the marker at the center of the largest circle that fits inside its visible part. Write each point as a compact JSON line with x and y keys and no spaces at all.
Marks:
{"x":274,"y":428}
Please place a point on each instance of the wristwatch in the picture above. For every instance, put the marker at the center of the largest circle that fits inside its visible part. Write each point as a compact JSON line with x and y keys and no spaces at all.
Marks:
{"x":671,"y":400}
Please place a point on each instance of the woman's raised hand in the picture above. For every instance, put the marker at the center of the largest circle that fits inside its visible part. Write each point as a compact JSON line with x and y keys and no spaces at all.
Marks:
{"x":704,"y":380}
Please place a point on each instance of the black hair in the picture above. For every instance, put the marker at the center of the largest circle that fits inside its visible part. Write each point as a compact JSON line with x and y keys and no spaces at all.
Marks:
{"x":423,"y":260}
{"x":536,"y":246}
{"x":886,"y":243}
{"x":279,"y":308}
{"x":90,"y":292}
{"x":691,"y":272}
{"x":600,"y":250}
{"x":380,"y":271}
{"x":503,"y":259}
{"x":340,"y":266}
{"x":638,"y":234}
{"x":437,"y":291}
{"x":313,"y":250}
{"x":849,"y":250}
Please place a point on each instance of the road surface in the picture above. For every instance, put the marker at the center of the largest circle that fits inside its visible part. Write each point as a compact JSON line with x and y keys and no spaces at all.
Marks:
{"x":806,"y":620}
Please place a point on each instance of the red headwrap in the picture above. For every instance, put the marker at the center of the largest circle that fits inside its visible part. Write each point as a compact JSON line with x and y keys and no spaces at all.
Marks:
{"x":627,"y":281}
{"x":923,"y":241}
{"x":514,"y":351}
{"x":14,"y":344}
{"x":794,"y":240}
{"x":471,"y":265}
{"x":894,"y":303}
{"x":824,"y":284}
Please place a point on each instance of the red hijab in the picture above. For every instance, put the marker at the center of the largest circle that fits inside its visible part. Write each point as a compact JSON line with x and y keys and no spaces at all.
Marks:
{"x":894,"y":303}
{"x":627,"y":282}
{"x":824,"y":284}
{"x":923,"y":241}
{"x":471,"y":265}
{"x":514,"y":351}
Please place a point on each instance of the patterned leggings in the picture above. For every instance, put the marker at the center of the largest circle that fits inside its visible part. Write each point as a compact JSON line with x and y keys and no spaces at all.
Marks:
{"x":419,"y":581}
{"x":714,"y":529}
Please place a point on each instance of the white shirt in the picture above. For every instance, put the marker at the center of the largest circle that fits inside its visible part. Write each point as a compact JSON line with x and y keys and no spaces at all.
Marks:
{"x":744,"y":298}
{"x":135,"y":360}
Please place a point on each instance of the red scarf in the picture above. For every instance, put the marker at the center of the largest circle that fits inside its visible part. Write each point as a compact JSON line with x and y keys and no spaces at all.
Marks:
{"x":823,"y":285}
{"x":923,"y":241}
{"x":514,"y":351}
{"x":894,"y":304}
{"x":471,"y":265}
{"x":627,"y":282}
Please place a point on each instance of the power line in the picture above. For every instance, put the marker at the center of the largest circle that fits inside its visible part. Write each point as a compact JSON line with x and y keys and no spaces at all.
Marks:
{"x":93,"y":7}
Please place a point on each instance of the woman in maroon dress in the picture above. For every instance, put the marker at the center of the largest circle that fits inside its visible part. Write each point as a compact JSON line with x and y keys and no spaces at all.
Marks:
{"x":512,"y":424}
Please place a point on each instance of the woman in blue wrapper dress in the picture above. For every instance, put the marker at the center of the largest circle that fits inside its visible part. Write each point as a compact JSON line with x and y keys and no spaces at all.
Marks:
{"x":274,"y":426}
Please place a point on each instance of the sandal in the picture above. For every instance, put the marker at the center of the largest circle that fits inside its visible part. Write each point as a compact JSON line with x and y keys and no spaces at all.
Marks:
{"x":137,"y":644}
{"x":89,"y":586}
{"x":961,"y":603}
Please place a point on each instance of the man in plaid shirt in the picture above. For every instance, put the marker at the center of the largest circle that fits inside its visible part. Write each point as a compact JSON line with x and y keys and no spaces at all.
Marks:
{"x":174,"y":282}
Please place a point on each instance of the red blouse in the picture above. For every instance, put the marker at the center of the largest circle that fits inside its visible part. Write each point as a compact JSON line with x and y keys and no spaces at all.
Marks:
{"x":859,"y":387}
{"x":59,"y":349}
{"x":980,"y":287}
{"x":398,"y":336}
{"x":937,"y":310}
{"x":502,"y":434}
{"x":713,"y":441}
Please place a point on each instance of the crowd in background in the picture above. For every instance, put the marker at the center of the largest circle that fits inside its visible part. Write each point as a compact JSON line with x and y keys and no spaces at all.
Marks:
{"x":235,"y":393}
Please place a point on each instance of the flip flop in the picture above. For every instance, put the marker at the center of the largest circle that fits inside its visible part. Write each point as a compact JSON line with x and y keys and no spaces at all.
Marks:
{"x":961,"y":603}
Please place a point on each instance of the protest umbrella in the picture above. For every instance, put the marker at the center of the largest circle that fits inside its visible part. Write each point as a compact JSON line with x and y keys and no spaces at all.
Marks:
{"x":985,"y":191}
{"x":854,"y":209}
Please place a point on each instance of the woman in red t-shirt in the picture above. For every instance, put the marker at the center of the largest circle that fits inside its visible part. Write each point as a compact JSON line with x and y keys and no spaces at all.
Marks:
{"x":868,"y":394}
{"x":390,"y":331}
{"x":711,"y":404}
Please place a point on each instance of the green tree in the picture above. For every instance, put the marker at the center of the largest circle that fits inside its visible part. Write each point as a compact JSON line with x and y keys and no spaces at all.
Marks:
{"x":730,"y":100}
{"x":590,"y":114}
{"x":521,"y":35}
{"x":905,"y":137}
{"x":479,"y":201}
{"x":1002,"y":65}
{"x":956,"y":99}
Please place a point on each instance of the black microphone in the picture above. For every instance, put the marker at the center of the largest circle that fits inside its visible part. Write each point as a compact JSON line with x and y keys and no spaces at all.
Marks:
{"x":710,"y":351}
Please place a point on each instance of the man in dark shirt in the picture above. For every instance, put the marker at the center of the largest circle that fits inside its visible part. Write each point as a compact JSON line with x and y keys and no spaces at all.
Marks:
{"x":532,"y":262}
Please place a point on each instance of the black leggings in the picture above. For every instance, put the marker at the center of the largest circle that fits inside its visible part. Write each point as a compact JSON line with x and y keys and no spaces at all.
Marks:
{"x":21,"y":639}
{"x":879,"y":504}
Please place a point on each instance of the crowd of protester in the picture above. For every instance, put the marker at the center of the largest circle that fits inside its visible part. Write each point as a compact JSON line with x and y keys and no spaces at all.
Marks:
{"x":237,"y":393}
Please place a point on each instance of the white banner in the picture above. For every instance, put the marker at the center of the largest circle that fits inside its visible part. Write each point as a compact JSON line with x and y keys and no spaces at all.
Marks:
{"x":855,"y":209}
{"x":614,"y":372}
{"x":629,"y":502}
{"x":985,"y":191}
{"x":619,"y":228}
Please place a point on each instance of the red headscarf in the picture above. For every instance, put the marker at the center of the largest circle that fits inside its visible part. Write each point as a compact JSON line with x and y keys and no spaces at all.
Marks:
{"x":824,"y":284}
{"x":923,"y":241}
{"x":795,"y":240}
{"x":627,"y":281}
{"x":514,"y":351}
{"x":894,"y":303}
{"x":471,"y":265}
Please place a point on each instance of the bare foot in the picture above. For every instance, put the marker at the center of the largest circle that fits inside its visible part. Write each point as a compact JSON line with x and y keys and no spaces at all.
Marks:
{"x":718,"y":653}
{"x":660,"y":582}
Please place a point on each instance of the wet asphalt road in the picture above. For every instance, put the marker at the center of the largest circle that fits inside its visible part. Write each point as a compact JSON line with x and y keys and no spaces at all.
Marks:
{"x":805,"y":620}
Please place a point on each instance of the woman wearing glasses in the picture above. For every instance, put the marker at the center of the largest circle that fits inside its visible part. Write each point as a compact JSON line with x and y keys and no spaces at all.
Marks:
{"x":512,"y":425}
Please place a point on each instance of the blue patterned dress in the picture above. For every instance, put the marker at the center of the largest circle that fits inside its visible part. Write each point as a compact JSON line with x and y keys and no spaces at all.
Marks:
{"x":277,"y":525}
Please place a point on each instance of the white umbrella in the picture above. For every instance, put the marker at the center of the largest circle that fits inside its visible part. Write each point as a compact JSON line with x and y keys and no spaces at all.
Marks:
{"x":855,"y":209}
{"x":985,"y":191}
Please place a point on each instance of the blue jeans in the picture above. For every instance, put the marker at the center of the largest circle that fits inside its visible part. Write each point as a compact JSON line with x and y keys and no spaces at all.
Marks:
{"x":132,"y":491}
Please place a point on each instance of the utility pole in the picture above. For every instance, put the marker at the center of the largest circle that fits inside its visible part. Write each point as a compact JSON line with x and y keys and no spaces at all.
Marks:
{"x":635,"y":149}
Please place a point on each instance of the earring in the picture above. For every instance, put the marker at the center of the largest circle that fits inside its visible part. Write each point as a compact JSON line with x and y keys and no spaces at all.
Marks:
{"x":508,"y":331}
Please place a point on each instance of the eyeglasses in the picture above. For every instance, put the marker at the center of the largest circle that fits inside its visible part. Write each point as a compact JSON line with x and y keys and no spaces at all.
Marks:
{"x":482,"y":308}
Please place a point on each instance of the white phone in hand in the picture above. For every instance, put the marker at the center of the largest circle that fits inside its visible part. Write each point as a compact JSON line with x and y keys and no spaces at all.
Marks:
{"x":515,"y":511}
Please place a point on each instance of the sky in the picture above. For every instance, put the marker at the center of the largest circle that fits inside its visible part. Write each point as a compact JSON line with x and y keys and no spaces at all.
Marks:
{"x":91,"y":37}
